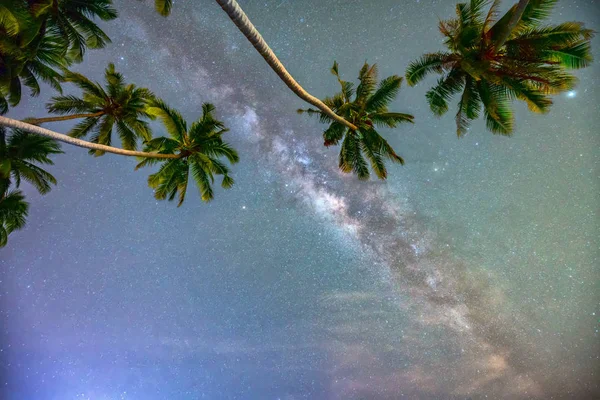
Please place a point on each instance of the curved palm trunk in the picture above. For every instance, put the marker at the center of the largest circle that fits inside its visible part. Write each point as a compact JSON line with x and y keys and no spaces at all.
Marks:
{"x":514,"y":20}
{"x":13,"y":123}
{"x":239,"y":18}
{"x":38,"y":121}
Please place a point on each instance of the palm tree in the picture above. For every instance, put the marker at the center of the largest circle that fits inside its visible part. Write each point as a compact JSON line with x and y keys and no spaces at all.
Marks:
{"x":73,"y":20}
{"x":13,"y":211}
{"x":38,"y":36}
{"x":25,"y":63}
{"x":493,"y":63}
{"x":239,"y":18}
{"x":120,"y":106}
{"x":19,"y":154}
{"x":200,"y":147}
{"x":367,"y":109}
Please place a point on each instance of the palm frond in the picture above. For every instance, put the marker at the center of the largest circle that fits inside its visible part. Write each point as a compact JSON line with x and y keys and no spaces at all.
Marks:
{"x":469,"y":107}
{"x":69,"y":104}
{"x":163,"y":7}
{"x":203,"y":181}
{"x":333,"y":134}
{"x":368,"y":80}
{"x":171,"y":118}
{"x":535,"y":13}
{"x":446,"y":87}
{"x":431,"y":62}
{"x":386,"y":92}
{"x":84,"y":127}
{"x":497,"y":111}
{"x":391,"y":119}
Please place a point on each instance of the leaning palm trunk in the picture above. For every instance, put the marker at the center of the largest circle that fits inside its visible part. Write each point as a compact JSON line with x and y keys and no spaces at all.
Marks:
{"x":38,"y":121}
{"x":514,"y":20}
{"x":16,"y":124}
{"x":239,"y":18}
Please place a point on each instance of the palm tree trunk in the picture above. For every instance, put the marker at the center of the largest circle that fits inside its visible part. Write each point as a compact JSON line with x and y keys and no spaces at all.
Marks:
{"x":239,"y":18}
{"x":38,"y":121}
{"x":13,"y":123}
{"x":514,"y":20}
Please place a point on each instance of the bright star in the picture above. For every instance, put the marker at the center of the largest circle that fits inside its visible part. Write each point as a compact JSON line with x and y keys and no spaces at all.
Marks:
{"x":572,"y":94}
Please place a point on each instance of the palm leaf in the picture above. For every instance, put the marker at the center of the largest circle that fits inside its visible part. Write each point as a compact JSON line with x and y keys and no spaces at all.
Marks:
{"x":446,"y":87}
{"x":163,"y":7}
{"x":171,"y":119}
{"x":391,"y":119}
{"x":469,"y":107}
{"x":431,"y":62}
{"x":386,"y":92}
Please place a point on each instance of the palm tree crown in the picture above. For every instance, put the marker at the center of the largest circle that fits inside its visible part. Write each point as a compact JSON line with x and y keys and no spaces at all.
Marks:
{"x":495,"y":62}
{"x":13,"y":212}
{"x":39,"y":36}
{"x":119,"y":106}
{"x":200,"y":148}
{"x":19,"y":154}
{"x":73,"y":20}
{"x":366,"y":107}
{"x":26,"y":55}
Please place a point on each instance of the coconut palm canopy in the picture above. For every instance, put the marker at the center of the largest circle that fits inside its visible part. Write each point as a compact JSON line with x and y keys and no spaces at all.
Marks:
{"x":117,"y":106}
{"x":73,"y":20}
{"x":39,"y":37}
{"x":20,"y":152}
{"x":200,"y":147}
{"x":367,"y":108}
{"x":493,"y":62}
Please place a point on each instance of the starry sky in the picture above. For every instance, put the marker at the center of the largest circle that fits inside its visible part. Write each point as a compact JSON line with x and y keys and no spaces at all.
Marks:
{"x":471,"y":273}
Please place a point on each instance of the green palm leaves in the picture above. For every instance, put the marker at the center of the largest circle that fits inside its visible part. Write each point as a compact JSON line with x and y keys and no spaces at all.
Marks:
{"x":71,"y":19}
{"x":117,"y":107}
{"x":201,"y":148}
{"x":19,"y":154}
{"x":163,"y":7}
{"x":37,"y":37}
{"x":493,"y":63}
{"x":366,"y":108}
{"x":13,"y":213}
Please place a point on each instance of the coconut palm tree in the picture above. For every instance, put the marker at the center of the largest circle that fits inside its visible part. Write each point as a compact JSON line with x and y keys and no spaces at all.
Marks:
{"x":240,"y":19}
{"x":73,"y":20}
{"x":19,"y":154}
{"x":13,"y":211}
{"x":119,"y":107}
{"x":39,"y":36}
{"x":492,"y":63}
{"x":200,"y":147}
{"x":366,"y":108}
{"x":27,"y":64}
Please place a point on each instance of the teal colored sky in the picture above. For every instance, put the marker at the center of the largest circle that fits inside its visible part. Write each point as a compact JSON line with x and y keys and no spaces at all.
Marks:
{"x":472,"y":272}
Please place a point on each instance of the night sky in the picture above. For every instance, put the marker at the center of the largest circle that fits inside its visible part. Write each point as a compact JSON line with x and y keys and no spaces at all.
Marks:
{"x":472,"y":272}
